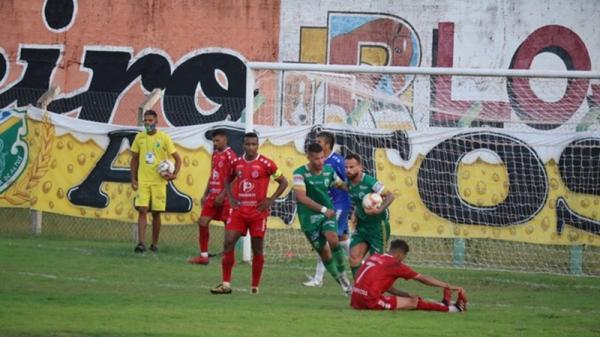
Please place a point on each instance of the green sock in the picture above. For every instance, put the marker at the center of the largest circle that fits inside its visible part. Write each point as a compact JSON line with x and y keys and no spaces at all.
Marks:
{"x":355,"y":270}
{"x":331,"y":267}
{"x":340,"y":258}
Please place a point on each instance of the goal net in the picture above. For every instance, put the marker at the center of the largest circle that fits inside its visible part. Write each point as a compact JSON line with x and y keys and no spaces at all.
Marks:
{"x":492,"y":169}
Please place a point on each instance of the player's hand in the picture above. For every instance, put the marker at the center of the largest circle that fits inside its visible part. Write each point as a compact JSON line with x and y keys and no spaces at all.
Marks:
{"x":330,"y":213}
{"x":264,"y":205}
{"x":234,"y":203}
{"x":134,"y":185}
{"x":168,"y":176}
{"x":373,"y":210}
{"x":219,"y":200}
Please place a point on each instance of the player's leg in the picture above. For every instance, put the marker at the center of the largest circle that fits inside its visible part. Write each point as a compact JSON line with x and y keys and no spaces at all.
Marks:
{"x":158,"y":202}
{"x":317,"y":279}
{"x":142,"y":203}
{"x":156,"y":223}
{"x":203,"y":237}
{"x":343,"y":230}
{"x":234,"y":228}
{"x":258,"y":229}
{"x":358,"y":250}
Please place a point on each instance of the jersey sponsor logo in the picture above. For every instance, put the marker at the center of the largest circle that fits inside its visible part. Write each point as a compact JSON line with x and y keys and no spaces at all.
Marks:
{"x":315,"y":218}
{"x":247,"y":186}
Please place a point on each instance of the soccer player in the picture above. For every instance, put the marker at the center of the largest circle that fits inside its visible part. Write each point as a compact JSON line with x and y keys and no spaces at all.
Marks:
{"x":153,"y":146}
{"x":215,"y":204}
{"x":316,"y":214}
{"x":250,"y":175}
{"x":341,"y":203}
{"x":379,"y":272}
{"x":372,"y":227}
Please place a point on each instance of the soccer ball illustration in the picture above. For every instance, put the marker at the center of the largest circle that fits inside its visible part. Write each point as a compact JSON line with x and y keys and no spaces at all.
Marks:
{"x":372,"y":200}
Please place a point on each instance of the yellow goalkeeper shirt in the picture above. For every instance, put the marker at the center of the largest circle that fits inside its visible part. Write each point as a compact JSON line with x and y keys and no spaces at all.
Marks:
{"x":152,"y":149}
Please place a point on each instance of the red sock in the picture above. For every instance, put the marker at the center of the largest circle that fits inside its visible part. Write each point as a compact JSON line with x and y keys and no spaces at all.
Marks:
{"x":258,"y":262}
{"x":203,"y":239}
{"x":425,"y":305}
{"x":227,"y":263}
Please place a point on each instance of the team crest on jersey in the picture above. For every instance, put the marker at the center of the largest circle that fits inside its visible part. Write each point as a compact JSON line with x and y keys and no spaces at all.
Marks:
{"x":13,"y":148}
{"x":254,"y":174}
{"x":247,"y":186}
{"x":215,"y":174}
{"x":220,"y":164}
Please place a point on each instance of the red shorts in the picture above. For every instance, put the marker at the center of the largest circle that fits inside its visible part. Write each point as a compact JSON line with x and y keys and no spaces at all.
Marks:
{"x":373,"y":303}
{"x":213,"y":212}
{"x":242,"y":220}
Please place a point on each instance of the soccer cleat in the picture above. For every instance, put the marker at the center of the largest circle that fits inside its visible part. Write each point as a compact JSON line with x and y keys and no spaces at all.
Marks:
{"x":461,"y":301}
{"x":345,"y":284}
{"x":198,"y":260}
{"x":312,"y":282}
{"x":154,"y":248}
{"x":447,"y":297}
{"x":254,"y":291}
{"x":221,"y":290}
{"x":140,"y":248}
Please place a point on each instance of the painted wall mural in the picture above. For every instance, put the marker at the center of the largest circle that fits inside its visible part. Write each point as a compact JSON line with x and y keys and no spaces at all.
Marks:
{"x":498,"y":159}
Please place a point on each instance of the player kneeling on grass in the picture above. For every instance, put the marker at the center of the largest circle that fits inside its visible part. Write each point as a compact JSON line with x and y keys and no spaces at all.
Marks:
{"x":377,"y":275}
{"x":316,"y":214}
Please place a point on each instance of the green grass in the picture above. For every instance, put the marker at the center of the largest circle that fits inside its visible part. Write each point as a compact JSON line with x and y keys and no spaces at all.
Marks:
{"x":52,"y":287}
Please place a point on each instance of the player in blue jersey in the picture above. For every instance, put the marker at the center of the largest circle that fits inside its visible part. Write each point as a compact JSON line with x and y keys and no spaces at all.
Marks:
{"x":341,"y":202}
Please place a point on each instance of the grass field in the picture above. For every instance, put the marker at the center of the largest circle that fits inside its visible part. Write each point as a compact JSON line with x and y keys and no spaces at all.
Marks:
{"x":51,"y":287}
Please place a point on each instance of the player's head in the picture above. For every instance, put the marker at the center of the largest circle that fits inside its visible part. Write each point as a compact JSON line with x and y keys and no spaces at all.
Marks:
{"x":219,"y":139}
{"x":353,"y":166}
{"x":251,"y":144}
{"x":150,"y":120}
{"x":316,"y":158}
{"x":326,"y":140}
{"x":398,"y":249}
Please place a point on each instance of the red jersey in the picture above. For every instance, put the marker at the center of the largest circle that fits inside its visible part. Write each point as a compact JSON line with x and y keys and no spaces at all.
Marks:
{"x":252,"y":179}
{"x":220,"y":169}
{"x":378,"y":273}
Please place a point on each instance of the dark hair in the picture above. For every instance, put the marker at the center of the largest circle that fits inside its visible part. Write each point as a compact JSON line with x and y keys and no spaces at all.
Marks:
{"x":314,"y":148}
{"x":250,"y":135}
{"x":151,"y":113}
{"x":354,"y":156}
{"x":218,"y":132}
{"x":328,"y":137}
{"x":400,"y":245}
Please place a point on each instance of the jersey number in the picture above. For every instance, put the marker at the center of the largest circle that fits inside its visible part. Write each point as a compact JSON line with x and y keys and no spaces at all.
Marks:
{"x":368,"y":266}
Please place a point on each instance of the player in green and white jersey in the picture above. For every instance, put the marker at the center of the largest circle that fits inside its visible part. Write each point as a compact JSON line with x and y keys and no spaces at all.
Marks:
{"x":372,"y":230}
{"x":316,"y":214}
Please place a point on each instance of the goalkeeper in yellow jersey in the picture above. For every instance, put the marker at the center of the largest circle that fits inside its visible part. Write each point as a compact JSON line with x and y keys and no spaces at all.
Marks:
{"x":148,"y":150}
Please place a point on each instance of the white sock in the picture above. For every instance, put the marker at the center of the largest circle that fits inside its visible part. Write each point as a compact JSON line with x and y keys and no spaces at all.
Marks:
{"x":204,"y":254}
{"x":320,"y":271}
{"x":346,"y":245}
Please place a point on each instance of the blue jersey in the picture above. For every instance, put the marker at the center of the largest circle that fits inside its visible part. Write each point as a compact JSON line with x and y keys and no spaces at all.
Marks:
{"x":340,"y":198}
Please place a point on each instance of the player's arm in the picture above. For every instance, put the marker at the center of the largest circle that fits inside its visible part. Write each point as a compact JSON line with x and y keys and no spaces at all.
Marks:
{"x":301,"y":197}
{"x":228,"y":181}
{"x":134,"y":164}
{"x":433,"y":282}
{"x":282,"y":185}
{"x":398,"y":292}
{"x":177,"y":158}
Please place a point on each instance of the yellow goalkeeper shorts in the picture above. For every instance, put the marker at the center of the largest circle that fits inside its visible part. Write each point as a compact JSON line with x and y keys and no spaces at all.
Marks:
{"x":153,"y":196}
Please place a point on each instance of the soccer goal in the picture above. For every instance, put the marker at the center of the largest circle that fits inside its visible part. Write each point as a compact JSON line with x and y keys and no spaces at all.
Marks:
{"x":494,"y":169}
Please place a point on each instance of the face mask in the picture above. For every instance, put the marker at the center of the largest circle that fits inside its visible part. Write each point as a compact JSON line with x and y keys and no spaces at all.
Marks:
{"x":150,"y":127}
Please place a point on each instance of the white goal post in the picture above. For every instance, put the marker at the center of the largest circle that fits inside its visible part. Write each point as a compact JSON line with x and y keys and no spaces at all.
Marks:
{"x":493,"y":159}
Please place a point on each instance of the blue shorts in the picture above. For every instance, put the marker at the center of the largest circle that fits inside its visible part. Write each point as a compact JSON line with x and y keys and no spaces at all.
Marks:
{"x":342,"y":219}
